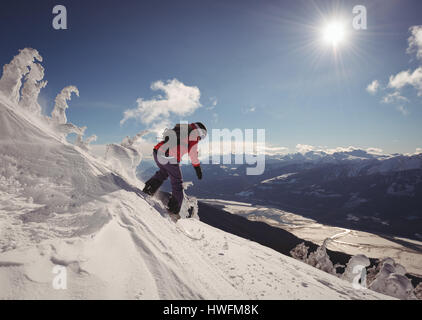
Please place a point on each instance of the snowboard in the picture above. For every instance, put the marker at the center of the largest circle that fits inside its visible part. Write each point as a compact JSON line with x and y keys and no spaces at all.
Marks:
{"x":160,"y":200}
{"x":186,"y":212}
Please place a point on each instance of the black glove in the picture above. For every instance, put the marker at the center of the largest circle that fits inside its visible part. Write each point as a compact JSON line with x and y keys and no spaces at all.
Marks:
{"x":198,"y":172}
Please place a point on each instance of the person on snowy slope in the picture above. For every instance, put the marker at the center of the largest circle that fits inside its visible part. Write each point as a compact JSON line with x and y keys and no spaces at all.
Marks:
{"x":182,"y":139}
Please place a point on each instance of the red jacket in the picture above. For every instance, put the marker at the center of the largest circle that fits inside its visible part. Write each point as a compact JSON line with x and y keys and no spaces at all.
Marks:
{"x":185,"y":146}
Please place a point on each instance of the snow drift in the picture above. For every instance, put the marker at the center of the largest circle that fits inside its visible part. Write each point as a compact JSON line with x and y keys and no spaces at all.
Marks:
{"x":61,"y":206}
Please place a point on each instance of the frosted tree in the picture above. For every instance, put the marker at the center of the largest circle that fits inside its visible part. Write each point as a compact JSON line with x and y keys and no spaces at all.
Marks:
{"x":300,"y":252}
{"x":320,"y":259}
{"x":129,"y":142}
{"x":59,"y":112}
{"x":391,"y":280}
{"x":32,"y":87}
{"x":418,"y":291}
{"x":84,"y":144}
{"x":58,"y":115}
{"x":11,"y":80}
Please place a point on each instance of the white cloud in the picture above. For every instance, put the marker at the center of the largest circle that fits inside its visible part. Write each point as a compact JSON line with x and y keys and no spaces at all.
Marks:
{"x":373,"y":87}
{"x":409,"y":77}
{"x":178,"y":99}
{"x":159,"y":127}
{"x":403,"y":110}
{"x":249,"y":110}
{"x":418,"y":150}
{"x":405,"y":78}
{"x":214,"y":102}
{"x":340,"y":149}
{"x":273,"y":150}
{"x":415,"y":41}
{"x":394,"y":97}
{"x":304,"y":148}
{"x":375,"y":150}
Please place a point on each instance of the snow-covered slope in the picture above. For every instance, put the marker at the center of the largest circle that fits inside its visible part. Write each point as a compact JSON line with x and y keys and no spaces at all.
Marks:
{"x":61,"y":206}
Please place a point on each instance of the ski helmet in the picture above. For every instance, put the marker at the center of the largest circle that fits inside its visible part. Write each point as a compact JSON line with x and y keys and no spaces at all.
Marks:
{"x":202,"y":129}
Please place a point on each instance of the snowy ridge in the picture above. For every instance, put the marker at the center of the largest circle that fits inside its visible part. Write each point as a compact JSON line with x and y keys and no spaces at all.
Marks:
{"x":59,"y":205}
{"x":360,"y":162}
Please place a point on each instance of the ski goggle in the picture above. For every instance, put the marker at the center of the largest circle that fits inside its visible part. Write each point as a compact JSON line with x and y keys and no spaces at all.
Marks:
{"x":202,"y":133}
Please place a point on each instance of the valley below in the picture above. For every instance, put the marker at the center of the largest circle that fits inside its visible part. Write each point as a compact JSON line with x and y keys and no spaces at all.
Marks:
{"x":407,"y":252}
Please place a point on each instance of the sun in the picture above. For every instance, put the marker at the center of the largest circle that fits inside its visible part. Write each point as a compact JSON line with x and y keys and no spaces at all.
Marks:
{"x":334,"y":33}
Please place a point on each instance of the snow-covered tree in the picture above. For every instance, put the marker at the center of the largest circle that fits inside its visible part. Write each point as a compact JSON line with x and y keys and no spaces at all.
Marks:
{"x":59,"y":112}
{"x":13,"y":72}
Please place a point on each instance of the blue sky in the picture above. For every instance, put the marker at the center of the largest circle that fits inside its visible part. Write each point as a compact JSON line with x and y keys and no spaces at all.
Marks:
{"x":262,"y":61}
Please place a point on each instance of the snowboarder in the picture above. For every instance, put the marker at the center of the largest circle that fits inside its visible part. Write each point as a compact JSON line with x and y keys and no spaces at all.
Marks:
{"x":182,"y":139}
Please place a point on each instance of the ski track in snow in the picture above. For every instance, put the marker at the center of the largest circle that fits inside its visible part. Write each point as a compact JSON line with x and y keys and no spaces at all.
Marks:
{"x":59,"y":205}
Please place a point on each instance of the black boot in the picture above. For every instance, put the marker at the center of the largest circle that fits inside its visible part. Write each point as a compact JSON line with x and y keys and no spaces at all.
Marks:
{"x":151,"y":186}
{"x":173,"y":206}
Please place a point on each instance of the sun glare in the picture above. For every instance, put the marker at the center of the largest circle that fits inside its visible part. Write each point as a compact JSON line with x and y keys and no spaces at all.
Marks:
{"x":334,"y":33}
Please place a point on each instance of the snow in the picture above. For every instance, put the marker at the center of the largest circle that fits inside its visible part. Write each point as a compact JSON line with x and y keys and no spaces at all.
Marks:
{"x":280,"y":178}
{"x":62,"y":206}
{"x":245,"y":194}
